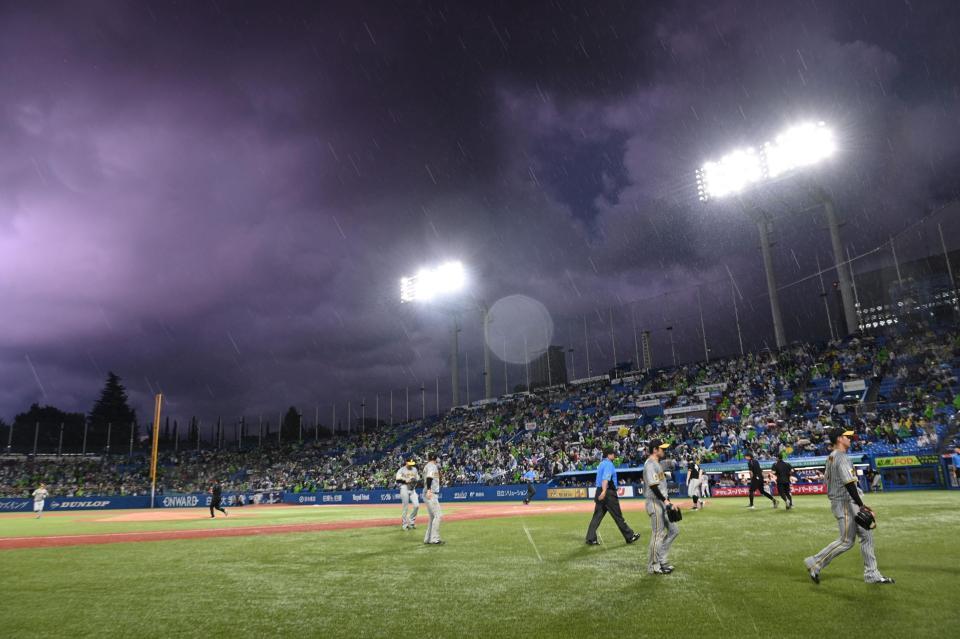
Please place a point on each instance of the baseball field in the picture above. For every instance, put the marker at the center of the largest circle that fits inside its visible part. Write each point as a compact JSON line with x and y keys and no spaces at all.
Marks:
{"x":506,"y":571}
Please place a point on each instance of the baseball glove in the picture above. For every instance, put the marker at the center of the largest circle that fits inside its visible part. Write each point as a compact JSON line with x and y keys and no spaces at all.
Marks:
{"x":866,"y":519}
{"x":674,"y":514}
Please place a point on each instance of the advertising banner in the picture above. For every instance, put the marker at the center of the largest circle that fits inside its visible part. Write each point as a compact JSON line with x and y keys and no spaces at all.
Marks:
{"x":622,"y":491}
{"x":680,"y":410}
{"x":742,"y":491}
{"x":566,"y":493}
{"x":588,"y":380}
{"x":906,"y":460}
{"x":345,"y":497}
{"x":711,"y":388}
{"x":96,"y":503}
{"x":202,"y":500}
{"x":473,"y":492}
{"x":15,"y":505}
{"x":646,"y":396}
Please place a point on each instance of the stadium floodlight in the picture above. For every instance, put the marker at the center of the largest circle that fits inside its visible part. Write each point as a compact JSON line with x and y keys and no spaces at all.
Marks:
{"x":732,"y":174}
{"x":428,"y":284}
{"x":797,"y":147}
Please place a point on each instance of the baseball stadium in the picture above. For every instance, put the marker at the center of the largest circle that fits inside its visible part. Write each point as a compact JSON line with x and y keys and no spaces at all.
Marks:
{"x":435,"y":319}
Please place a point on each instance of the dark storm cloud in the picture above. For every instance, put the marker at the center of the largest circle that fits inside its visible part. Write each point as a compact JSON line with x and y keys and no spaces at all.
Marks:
{"x":216,"y":199}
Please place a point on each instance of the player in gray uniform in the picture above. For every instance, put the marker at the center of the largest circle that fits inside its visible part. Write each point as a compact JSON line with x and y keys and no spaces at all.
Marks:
{"x":845,"y":502}
{"x":663,"y":530}
{"x":431,"y":497}
{"x":407,"y":478}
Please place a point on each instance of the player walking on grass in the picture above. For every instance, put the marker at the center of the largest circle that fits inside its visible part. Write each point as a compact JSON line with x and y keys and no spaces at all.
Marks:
{"x":431,"y":496}
{"x":606,"y":501}
{"x":407,"y":478}
{"x":756,"y":480}
{"x":663,"y":531}
{"x":39,"y":498}
{"x":784,"y":473}
{"x":695,"y":478}
{"x":845,"y":502}
{"x":216,"y":498}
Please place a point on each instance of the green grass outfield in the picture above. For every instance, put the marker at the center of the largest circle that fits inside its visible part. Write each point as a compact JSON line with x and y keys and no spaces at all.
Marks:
{"x":739,"y":574}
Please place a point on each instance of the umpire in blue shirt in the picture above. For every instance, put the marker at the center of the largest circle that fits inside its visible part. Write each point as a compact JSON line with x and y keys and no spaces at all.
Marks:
{"x":606,"y":501}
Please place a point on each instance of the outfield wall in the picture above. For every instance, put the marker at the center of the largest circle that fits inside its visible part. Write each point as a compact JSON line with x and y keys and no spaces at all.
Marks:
{"x":111,"y":502}
{"x":511,"y":492}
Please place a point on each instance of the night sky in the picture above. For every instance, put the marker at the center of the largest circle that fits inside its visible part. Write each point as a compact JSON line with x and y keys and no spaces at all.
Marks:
{"x":217,"y":199}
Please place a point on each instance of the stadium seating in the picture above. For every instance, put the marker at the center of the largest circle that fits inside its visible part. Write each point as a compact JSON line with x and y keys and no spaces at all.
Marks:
{"x":764,"y":402}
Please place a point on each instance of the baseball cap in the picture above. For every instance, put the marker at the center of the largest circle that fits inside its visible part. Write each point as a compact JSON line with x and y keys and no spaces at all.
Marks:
{"x":835,"y":433}
{"x":410,"y":462}
{"x":657,"y":443}
{"x":748,"y":453}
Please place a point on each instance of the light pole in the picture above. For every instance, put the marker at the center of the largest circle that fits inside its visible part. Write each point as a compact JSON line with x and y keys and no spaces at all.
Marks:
{"x":795,"y":148}
{"x":427,"y":285}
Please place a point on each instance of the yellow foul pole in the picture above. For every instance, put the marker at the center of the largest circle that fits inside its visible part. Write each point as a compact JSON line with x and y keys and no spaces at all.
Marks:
{"x":156,"y":445}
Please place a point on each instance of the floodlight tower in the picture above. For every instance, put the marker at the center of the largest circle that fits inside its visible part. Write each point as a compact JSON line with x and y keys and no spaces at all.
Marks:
{"x":438,"y":283}
{"x":797,"y":147}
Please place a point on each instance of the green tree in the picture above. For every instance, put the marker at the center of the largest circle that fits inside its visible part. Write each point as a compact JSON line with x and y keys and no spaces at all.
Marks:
{"x":291,"y":425}
{"x":48,"y":436}
{"x":112,"y":407}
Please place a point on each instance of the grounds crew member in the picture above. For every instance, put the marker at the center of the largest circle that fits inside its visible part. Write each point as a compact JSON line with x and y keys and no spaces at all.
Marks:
{"x":663,"y":531}
{"x":216,"y":498}
{"x":606,"y":501}
{"x":431,"y":496}
{"x":39,"y":498}
{"x":407,"y":478}
{"x":530,"y":477}
{"x":756,"y":480}
{"x":784,"y":472}
{"x":847,"y":507}
{"x":695,"y":477}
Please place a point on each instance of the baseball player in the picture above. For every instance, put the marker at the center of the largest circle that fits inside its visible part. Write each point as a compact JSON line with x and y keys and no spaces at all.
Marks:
{"x":530,"y":477}
{"x":756,"y":480}
{"x":845,"y":502}
{"x":431,"y":496}
{"x":695,"y":479}
{"x":704,"y":489}
{"x":39,"y":498}
{"x":664,"y":531}
{"x":407,"y":478}
{"x":784,"y":473}
{"x":216,"y":498}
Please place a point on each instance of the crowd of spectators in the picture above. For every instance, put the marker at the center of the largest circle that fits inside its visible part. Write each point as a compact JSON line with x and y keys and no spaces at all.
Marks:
{"x":765,"y":402}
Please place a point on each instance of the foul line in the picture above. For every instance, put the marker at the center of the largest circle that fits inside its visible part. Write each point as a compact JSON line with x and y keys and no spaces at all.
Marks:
{"x":530,"y":537}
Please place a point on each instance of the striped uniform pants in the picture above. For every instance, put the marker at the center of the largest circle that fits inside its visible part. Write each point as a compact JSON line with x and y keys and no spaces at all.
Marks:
{"x":849,"y":530}
{"x":663,"y":532}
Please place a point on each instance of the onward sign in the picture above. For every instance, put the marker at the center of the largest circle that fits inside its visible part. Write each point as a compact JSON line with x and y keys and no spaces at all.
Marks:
{"x":906,"y":460}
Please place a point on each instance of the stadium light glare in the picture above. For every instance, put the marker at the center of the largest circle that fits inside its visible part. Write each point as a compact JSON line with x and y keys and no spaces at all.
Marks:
{"x":428,"y":284}
{"x":796,"y":147}
{"x":732,"y":174}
